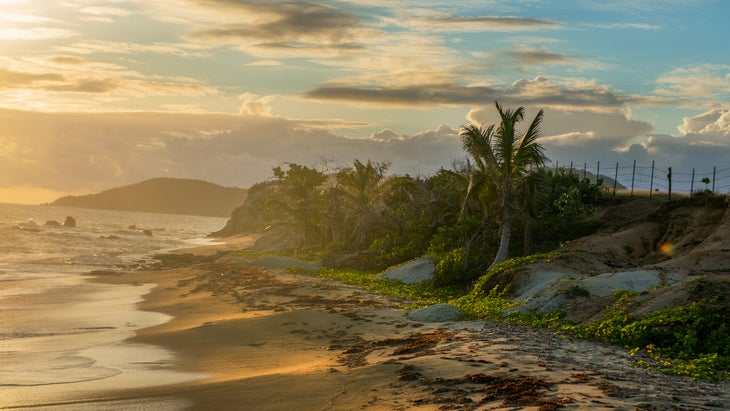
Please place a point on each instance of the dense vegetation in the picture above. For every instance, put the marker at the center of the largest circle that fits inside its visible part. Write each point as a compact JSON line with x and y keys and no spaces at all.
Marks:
{"x":484,"y":209}
{"x":499,"y":202}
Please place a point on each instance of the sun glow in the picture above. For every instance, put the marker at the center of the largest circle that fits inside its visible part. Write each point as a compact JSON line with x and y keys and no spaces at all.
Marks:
{"x":28,"y":195}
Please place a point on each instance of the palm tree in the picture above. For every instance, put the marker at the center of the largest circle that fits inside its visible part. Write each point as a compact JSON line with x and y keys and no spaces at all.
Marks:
{"x":503,"y":162}
{"x":356,"y":201}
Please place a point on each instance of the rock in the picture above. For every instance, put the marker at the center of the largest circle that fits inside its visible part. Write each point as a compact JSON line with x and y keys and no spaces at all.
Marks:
{"x":435,"y":314}
{"x":636,"y":281}
{"x":52,"y":223}
{"x":70,"y":222}
{"x":147,"y":233}
{"x":29,"y":225}
{"x":132,"y":227}
{"x":547,"y":295}
{"x":414,"y":272}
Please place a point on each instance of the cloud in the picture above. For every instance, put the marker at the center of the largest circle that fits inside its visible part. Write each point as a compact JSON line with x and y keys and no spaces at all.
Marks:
{"x":87,"y":152}
{"x":707,"y":85}
{"x":35,"y":33}
{"x":632,"y":7}
{"x":698,"y":152}
{"x":66,"y":60}
{"x":530,"y":55}
{"x":711,"y":123}
{"x":624,"y":26}
{"x":14,"y":79}
{"x":385,"y":134}
{"x":36,"y":78}
{"x":542,"y":92}
{"x":253,"y":105}
{"x":264,"y":63}
{"x":282,"y":24}
{"x":582,"y":138}
{"x":484,"y":23}
{"x":85,"y":47}
{"x":704,"y":145}
{"x":103,"y":14}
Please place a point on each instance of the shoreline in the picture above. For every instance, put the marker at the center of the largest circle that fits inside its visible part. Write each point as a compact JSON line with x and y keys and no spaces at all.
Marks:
{"x":269,"y":340}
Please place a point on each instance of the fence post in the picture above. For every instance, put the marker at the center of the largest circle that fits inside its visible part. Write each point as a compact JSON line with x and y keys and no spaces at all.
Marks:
{"x":633,"y":176}
{"x":714,"y":170}
{"x":615,"y":180}
{"x":692,"y":184}
{"x":598,"y":171}
{"x":556,"y":168}
{"x":585,"y":166}
{"x":669,"y":179}
{"x":571,"y":167}
{"x":651,"y":181}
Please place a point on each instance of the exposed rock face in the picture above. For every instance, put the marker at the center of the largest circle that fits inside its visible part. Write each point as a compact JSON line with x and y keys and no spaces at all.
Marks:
{"x":655,"y":255}
{"x":549,"y":296}
{"x":164,"y":195}
{"x":416,"y":271}
{"x":435,"y":314}
{"x":70,"y":222}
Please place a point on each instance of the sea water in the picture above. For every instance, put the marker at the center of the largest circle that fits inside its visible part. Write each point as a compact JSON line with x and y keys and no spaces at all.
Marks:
{"x":60,"y":334}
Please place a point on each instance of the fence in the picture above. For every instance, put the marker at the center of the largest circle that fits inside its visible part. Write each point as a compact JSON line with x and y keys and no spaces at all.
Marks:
{"x":633,"y":177}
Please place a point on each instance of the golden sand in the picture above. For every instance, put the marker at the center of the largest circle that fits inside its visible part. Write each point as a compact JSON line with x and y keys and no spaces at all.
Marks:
{"x":269,"y":340}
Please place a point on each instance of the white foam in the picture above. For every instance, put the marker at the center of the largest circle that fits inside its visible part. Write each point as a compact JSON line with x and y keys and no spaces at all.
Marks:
{"x":75,"y":341}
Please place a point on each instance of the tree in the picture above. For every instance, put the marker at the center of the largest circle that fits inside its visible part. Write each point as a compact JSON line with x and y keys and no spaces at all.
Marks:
{"x":298,"y":200}
{"x":503,"y":164}
{"x":356,"y":202}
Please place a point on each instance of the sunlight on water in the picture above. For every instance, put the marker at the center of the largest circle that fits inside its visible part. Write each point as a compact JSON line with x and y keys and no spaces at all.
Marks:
{"x":61,"y":334}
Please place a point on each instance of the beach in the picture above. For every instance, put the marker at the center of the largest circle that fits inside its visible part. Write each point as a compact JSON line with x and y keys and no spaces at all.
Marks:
{"x":265,"y":339}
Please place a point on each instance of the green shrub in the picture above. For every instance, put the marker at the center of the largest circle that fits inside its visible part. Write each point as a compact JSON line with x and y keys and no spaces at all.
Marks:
{"x":461,"y":252}
{"x":692,"y":340}
{"x":488,"y":305}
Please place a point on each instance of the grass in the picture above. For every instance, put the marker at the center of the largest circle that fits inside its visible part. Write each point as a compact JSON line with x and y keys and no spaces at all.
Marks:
{"x":413,"y":296}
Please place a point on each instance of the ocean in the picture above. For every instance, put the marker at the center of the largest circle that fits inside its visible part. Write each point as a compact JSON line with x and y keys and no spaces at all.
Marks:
{"x":61,"y":334}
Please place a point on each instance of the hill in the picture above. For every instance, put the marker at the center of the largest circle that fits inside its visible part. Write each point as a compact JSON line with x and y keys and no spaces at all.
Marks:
{"x":653,"y":251}
{"x":164,"y":195}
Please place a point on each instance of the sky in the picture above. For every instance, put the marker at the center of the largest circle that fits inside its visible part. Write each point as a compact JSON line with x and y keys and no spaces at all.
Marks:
{"x":101,"y":94}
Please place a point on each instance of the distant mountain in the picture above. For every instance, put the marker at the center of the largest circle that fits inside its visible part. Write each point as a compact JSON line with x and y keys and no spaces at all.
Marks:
{"x":164,"y":195}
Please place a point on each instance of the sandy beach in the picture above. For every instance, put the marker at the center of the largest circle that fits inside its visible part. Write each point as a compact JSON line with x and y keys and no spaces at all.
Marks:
{"x":264,"y":339}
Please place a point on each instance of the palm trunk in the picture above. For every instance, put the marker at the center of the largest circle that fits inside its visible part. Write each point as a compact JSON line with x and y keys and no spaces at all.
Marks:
{"x":502,"y":253}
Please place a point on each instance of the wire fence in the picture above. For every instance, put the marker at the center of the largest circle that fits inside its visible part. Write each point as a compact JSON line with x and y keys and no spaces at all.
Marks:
{"x":633,"y":177}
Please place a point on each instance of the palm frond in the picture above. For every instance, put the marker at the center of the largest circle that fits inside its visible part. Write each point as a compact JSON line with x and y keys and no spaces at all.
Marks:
{"x":528,"y":152}
{"x":477,"y":141}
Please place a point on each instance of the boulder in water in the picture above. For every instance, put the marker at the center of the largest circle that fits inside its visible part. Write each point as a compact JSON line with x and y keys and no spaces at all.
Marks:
{"x":70,"y":222}
{"x":29,"y":225}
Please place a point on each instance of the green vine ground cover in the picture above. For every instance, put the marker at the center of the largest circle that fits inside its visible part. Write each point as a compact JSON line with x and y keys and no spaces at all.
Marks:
{"x":691,"y":340}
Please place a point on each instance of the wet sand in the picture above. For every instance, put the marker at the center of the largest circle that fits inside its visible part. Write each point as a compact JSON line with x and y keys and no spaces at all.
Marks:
{"x":268,"y":340}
